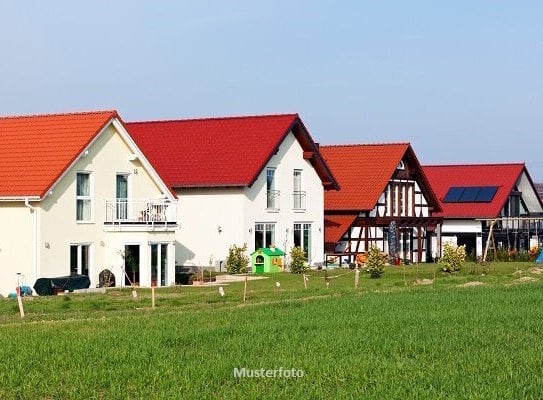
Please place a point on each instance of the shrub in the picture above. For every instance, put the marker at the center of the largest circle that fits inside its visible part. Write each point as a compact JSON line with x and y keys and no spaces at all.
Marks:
{"x":453,"y":257}
{"x":298,"y":261}
{"x":375,"y":263}
{"x":237,"y":260}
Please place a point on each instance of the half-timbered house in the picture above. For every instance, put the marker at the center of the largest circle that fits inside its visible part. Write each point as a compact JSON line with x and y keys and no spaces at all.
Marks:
{"x":385,"y":201}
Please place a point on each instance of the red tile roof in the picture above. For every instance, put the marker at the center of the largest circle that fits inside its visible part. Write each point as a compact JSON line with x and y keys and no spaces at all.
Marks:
{"x":442,"y":177}
{"x":335,"y":226}
{"x":230,"y":151}
{"x":362,"y":171}
{"x":35,"y":150}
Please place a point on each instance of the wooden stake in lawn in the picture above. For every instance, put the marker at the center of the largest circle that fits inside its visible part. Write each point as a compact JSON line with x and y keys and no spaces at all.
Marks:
{"x":20,"y":302}
{"x":245,"y":290}
{"x":134,"y":293}
{"x":305,"y":281}
{"x":153,"y":296}
{"x":326,"y":279}
{"x":356,"y":277}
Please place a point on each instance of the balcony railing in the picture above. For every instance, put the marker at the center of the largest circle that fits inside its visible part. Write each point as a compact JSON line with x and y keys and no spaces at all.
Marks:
{"x":141,"y":212}
{"x":273,"y":199}
{"x":299,"y":200}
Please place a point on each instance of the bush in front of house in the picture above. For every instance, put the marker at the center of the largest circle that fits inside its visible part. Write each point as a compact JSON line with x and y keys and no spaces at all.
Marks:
{"x":453,"y":257}
{"x":237,"y":260}
{"x":298,"y":263}
{"x":375,"y":263}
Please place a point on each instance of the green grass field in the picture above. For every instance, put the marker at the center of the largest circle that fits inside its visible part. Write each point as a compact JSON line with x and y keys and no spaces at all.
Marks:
{"x":465,"y":336}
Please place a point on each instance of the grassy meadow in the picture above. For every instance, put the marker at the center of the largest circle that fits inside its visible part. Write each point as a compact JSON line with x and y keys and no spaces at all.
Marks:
{"x":476,"y":334}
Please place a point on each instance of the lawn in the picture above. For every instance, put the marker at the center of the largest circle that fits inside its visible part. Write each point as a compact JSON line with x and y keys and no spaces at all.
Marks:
{"x":476,"y":334}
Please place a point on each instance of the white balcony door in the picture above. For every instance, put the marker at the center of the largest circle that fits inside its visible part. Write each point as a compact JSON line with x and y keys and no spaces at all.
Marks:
{"x":121,"y":202}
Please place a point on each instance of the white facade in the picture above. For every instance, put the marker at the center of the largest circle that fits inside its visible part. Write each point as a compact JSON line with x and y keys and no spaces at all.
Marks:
{"x":213,"y":219}
{"x":47,"y":238}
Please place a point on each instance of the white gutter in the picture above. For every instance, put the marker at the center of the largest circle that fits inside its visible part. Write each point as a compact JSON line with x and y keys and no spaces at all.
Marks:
{"x":35,"y":256}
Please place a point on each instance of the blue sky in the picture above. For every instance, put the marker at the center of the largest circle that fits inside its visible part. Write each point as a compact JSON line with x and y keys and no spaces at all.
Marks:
{"x":461,"y":81}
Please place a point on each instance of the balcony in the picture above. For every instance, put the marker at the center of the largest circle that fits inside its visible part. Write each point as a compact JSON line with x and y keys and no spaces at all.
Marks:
{"x":150,"y":213}
{"x":272,"y":199}
{"x":299,"y":200}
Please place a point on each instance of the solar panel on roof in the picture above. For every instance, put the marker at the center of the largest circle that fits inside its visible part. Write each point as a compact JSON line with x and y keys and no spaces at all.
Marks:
{"x":487,"y":193}
{"x":470,"y":194}
{"x":453,"y":194}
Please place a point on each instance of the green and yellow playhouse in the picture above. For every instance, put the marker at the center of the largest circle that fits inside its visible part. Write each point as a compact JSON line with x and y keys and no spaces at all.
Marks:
{"x":267,"y":260}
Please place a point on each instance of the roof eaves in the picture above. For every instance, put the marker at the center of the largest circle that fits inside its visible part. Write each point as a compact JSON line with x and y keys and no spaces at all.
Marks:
{"x":20,"y":198}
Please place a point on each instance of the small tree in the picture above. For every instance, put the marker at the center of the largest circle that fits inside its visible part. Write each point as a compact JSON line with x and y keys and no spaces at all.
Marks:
{"x":375,"y":263}
{"x":453,"y":257}
{"x":297,"y":261}
{"x":237,"y":261}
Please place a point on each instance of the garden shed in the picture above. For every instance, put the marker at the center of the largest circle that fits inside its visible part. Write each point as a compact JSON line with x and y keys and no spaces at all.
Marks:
{"x":267,"y":260}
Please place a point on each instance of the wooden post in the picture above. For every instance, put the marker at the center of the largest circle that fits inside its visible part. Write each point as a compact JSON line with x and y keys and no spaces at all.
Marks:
{"x":356,"y":277}
{"x":245,"y":289}
{"x":305,"y":281}
{"x":20,"y":302}
{"x":490,"y":240}
{"x":153,"y":296}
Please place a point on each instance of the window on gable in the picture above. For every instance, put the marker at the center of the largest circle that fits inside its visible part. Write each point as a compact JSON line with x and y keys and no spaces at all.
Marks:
{"x":83,"y":197}
{"x":298,"y":193}
{"x":272,"y":200}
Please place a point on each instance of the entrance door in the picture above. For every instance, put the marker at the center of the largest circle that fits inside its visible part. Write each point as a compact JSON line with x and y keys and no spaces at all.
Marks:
{"x":159,"y":264}
{"x":132,"y":264}
{"x":122,"y":197}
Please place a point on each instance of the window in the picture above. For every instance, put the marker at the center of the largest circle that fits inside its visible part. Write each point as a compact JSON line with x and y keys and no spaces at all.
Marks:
{"x":302,"y":238}
{"x":299,"y":195}
{"x":272,"y":194}
{"x":83,"y":197}
{"x":264,"y":235}
{"x":514,"y":205}
{"x":79,"y":259}
{"x":159,"y":264}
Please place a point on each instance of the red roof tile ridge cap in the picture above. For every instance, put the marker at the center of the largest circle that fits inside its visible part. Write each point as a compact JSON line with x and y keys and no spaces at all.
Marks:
{"x":489,"y":164}
{"x":75,"y":113}
{"x":294,"y":115}
{"x":367,"y":144}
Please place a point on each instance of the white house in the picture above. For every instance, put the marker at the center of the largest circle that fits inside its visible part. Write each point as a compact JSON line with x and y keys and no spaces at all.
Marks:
{"x":256,"y":180}
{"x":77,"y":196}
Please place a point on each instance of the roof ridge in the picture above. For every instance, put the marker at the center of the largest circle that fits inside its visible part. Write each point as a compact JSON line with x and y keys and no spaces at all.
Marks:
{"x":112,"y":111}
{"x":217,"y":118}
{"x":366,"y":144}
{"x":486,"y":164}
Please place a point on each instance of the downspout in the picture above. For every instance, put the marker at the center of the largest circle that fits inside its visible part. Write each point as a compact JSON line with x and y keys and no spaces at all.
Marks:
{"x":35,"y":256}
